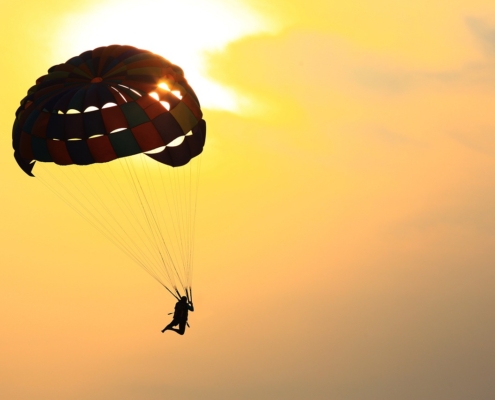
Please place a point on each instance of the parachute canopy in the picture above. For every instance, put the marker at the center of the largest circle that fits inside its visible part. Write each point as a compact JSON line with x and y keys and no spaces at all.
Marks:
{"x":109,"y":103}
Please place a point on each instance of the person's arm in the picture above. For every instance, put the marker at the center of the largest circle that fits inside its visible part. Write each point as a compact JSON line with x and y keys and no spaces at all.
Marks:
{"x":190,"y":306}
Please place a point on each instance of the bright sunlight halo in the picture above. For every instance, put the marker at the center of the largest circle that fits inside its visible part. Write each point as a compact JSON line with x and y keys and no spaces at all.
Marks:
{"x":180,"y":31}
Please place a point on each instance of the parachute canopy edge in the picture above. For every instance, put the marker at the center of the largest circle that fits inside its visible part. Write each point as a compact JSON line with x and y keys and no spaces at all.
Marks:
{"x":26,"y":166}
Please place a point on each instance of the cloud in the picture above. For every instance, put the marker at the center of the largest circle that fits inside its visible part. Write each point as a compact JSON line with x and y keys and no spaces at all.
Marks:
{"x":479,"y":139}
{"x":484,"y":32}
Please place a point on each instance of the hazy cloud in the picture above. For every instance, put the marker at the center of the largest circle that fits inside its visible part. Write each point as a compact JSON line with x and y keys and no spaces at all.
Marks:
{"x":484,"y":33}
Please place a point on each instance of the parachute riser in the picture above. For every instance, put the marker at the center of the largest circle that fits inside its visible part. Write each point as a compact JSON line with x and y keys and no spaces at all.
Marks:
{"x":172,"y":293}
{"x":189,"y":294}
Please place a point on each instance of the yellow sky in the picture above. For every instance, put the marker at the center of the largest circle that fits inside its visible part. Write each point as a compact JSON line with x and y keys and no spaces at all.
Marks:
{"x":345,"y":227}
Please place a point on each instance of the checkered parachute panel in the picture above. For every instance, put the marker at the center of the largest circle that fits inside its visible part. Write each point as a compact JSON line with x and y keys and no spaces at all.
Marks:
{"x":109,"y":103}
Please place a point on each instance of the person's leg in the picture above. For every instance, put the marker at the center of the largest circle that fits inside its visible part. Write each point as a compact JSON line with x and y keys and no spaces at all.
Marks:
{"x":182,"y":328}
{"x":169,"y":326}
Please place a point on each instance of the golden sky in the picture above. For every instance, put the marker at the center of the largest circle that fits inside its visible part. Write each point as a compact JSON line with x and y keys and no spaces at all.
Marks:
{"x":346,"y":221}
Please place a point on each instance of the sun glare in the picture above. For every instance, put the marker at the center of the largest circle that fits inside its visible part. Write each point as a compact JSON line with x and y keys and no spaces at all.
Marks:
{"x":181,"y":32}
{"x":163,"y":86}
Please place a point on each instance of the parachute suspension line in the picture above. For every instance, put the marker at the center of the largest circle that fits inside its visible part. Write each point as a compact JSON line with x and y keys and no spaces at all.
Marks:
{"x":129,"y":245}
{"x":175,"y":213}
{"x":145,"y":183}
{"x":187,"y":213}
{"x":184,"y":207}
{"x":172,"y":293}
{"x":126,"y":206}
{"x":183,"y":180}
{"x":186,"y":217}
{"x":124,"y":201}
{"x":150,"y":211}
{"x":173,"y":208}
{"x":98,"y":227}
{"x":146,"y":264}
{"x":160,"y":233}
{"x":157,"y":228}
{"x":116,"y":191}
{"x":162,"y":222}
{"x":189,"y":294}
{"x":102,"y":220}
{"x":179,"y":189}
{"x":139,"y":197}
{"x":198,"y":161}
{"x":192,"y":215}
{"x":82,"y":179}
{"x":158,"y":210}
{"x":170,"y":203}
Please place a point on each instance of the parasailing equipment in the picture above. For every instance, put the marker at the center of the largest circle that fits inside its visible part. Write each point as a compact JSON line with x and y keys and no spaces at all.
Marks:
{"x":118,"y":131}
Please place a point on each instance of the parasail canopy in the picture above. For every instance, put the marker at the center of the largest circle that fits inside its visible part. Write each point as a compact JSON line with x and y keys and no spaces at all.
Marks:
{"x":109,"y":103}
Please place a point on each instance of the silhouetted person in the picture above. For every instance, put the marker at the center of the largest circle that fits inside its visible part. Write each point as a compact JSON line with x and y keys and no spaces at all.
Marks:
{"x":182,"y":308}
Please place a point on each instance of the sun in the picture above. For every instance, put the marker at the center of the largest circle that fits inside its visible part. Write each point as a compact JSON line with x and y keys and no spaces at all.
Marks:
{"x":180,"y":31}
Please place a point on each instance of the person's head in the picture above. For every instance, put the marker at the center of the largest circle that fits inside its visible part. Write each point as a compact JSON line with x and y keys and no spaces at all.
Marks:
{"x":183,"y":299}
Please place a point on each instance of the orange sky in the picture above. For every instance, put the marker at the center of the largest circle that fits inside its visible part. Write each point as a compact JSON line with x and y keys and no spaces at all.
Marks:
{"x":346,"y":223}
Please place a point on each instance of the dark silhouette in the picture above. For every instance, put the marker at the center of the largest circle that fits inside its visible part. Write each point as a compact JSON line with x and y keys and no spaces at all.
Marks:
{"x":182,"y":308}
{"x":98,"y":71}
